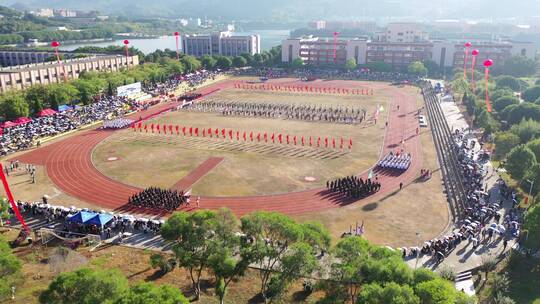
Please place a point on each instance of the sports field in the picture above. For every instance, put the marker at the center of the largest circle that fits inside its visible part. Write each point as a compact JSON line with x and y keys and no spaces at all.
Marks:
{"x":248,"y":168}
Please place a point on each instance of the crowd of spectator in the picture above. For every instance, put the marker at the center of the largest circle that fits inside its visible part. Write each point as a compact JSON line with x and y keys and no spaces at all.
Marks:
{"x":159,"y":199}
{"x":353,"y":186}
{"x":484,"y":221}
{"x":26,"y":135}
{"x":327,"y":73}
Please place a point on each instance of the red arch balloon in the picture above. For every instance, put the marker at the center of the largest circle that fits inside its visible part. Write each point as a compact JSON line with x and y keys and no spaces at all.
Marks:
{"x":488,"y":63}
{"x":126,"y":42}
{"x":55,"y":44}
{"x":176,"y":33}
{"x":475,"y":52}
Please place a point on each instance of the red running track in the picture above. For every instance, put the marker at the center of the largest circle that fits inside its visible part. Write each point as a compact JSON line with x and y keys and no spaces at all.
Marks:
{"x":69,"y":162}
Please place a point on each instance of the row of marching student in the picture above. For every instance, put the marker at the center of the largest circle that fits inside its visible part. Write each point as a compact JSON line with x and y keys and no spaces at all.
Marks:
{"x":311,"y":141}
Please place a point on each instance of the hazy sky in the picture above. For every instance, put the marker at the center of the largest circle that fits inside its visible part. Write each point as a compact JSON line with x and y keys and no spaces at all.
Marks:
{"x":303,"y":9}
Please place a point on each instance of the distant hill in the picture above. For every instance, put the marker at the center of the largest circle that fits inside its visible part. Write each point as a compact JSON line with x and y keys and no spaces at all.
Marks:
{"x":299,"y":9}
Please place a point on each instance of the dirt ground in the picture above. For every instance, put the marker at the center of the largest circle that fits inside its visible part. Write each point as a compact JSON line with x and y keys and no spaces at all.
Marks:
{"x":42,"y":263}
{"x":395,"y":219}
{"x":248,"y":168}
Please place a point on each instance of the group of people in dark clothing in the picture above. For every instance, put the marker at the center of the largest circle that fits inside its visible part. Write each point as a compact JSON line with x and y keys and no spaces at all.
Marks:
{"x":353,"y":186}
{"x":157,"y":198}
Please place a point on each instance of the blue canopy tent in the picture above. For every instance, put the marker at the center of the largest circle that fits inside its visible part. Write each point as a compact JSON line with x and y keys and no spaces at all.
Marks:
{"x":100,"y":220}
{"x":82,"y":217}
{"x":63,"y":108}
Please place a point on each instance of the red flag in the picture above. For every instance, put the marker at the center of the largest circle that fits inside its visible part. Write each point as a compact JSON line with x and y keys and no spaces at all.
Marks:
{"x":165,"y":129}
{"x":237,"y":135}
{"x":326,"y":142}
{"x":190,"y":131}
{"x":350,"y":143}
{"x":177,"y":127}
{"x":133,"y":127}
{"x":341,"y":143}
{"x":251,"y":136}
{"x":287,"y":139}
{"x":273,"y":141}
{"x":146,"y":128}
{"x":197,"y":131}
{"x":333,"y":143}
{"x":170,"y":128}
{"x":280,"y":139}
{"x":217,"y":132}
{"x":318,"y":142}
{"x":230,"y":134}
{"x":223,"y":132}
{"x":184,"y":130}
{"x":258,"y":137}
{"x":302,"y":141}
{"x":244,"y":136}
{"x":140,"y":125}
{"x":209,"y":132}
{"x":204,"y":132}
{"x":265,"y":137}
{"x":294,"y":140}
{"x":157,"y":126}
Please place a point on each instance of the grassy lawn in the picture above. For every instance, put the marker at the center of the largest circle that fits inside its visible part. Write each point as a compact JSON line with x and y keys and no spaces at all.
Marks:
{"x":394,"y":219}
{"x":248,"y":168}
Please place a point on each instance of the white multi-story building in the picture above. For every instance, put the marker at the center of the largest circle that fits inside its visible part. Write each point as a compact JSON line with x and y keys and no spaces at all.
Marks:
{"x":404,"y":32}
{"x":43,"y":12}
{"x":446,"y":53}
{"x":221,"y":43}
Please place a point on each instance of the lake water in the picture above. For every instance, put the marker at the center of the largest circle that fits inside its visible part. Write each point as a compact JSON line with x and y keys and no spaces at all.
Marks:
{"x":269,"y":38}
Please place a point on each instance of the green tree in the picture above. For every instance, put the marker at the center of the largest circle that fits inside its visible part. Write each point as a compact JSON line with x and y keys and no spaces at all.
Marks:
{"x":86,"y":286}
{"x":223,"y":63}
{"x":510,"y":82}
{"x":350,"y":64}
{"x":502,"y":102}
{"x":504,"y":142}
{"x":248,"y":57}
{"x":433,"y":69}
{"x":148,"y":293}
{"x":437,"y":291}
{"x":534,"y":145}
{"x":519,"y":160}
{"x":191,"y":235}
{"x":417,"y":68}
{"x":223,"y":263}
{"x":525,"y":110}
{"x":13,"y":105}
{"x":423,"y":275}
{"x":532,"y":227}
{"x":191,"y":63}
{"x":500,"y":284}
{"x":59,"y":94}
{"x":297,"y":63}
{"x":208,"y":62}
{"x":239,"y":61}
{"x":485,"y":120}
{"x":36,"y":98}
{"x":272,"y":234}
{"x":526,"y":130}
{"x":4,"y":211}
{"x":517,"y":66}
{"x":531,"y":94}
{"x":88,"y":88}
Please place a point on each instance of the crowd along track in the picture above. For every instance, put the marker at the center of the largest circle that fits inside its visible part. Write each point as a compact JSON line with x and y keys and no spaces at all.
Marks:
{"x":69,"y":161}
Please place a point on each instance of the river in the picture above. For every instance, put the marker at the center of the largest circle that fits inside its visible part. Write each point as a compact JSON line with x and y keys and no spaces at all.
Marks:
{"x":269,"y":38}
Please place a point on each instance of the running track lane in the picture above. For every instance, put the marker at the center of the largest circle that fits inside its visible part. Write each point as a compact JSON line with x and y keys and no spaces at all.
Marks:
{"x":69,"y":162}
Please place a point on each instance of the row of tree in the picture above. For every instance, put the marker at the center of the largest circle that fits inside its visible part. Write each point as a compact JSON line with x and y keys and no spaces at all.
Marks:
{"x":284,"y":251}
{"x":29,"y":102}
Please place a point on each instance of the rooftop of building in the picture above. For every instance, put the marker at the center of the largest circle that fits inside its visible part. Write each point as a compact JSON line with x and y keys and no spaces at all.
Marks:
{"x":42,"y":65}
